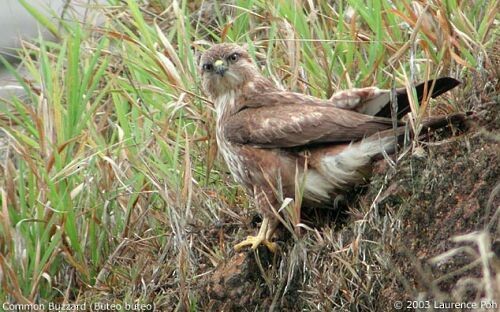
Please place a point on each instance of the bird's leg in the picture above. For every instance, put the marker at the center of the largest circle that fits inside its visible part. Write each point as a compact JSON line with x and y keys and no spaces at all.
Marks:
{"x":266,"y":231}
{"x":271,"y":228}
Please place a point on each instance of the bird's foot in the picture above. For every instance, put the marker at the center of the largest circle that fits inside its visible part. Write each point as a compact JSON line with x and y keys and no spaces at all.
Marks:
{"x":255,"y":241}
{"x":263,"y":237}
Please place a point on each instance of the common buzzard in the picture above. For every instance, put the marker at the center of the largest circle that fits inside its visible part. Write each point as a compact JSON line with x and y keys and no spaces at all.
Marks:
{"x":271,"y":138}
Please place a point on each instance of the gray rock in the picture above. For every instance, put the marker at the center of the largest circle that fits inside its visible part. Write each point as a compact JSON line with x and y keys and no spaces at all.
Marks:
{"x":17,"y":24}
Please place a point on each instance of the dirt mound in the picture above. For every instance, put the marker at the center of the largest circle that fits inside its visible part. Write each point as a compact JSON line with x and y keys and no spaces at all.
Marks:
{"x":419,"y":230}
{"x":451,"y":193}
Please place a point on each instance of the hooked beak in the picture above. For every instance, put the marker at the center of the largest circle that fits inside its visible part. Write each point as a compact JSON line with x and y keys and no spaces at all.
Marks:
{"x":219,"y":67}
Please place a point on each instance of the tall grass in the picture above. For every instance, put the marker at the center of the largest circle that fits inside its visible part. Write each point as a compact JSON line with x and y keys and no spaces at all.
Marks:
{"x":110,"y":176}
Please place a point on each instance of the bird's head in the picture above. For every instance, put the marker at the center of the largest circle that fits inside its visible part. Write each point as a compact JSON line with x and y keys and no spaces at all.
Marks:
{"x":224,"y":68}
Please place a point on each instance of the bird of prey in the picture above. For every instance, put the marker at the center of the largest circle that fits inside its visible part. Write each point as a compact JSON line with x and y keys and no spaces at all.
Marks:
{"x":271,"y":138}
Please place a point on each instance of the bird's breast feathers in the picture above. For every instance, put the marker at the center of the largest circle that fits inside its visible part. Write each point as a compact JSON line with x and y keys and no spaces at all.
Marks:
{"x":233,"y":155}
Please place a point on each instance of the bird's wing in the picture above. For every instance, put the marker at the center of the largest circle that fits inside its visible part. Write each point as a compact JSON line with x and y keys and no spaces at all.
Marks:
{"x":375,"y":102}
{"x":423,"y":90}
{"x":298,"y":124}
{"x":368,"y":101}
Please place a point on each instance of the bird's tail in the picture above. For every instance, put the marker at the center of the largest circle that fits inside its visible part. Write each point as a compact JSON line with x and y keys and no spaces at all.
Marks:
{"x":350,"y":165}
{"x":429,"y":125}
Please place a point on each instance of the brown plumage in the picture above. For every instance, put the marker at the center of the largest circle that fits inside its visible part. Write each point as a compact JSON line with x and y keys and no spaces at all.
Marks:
{"x":269,"y":137}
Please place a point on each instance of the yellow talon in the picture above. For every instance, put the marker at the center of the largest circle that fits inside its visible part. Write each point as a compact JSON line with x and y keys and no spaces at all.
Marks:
{"x":254,"y":242}
{"x":263,"y":237}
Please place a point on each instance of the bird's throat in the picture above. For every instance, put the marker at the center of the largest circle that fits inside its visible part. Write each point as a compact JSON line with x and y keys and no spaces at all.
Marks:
{"x":226,"y":105}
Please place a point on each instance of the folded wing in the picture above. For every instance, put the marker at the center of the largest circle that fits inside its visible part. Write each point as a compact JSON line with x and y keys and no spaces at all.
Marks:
{"x":297,"y":125}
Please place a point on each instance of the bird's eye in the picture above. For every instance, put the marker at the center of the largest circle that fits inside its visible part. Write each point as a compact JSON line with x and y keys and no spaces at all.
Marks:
{"x":234,"y":57}
{"x":207,"y":67}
